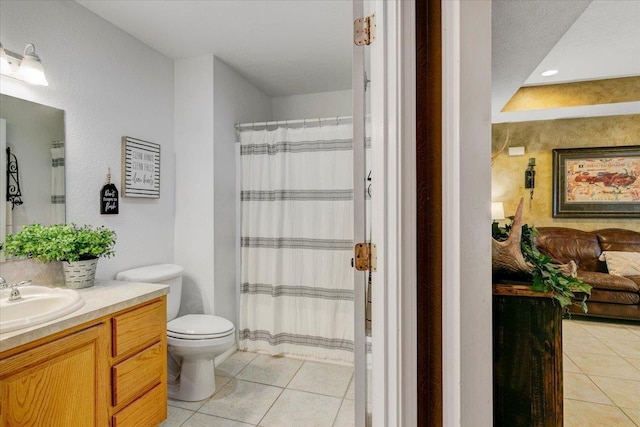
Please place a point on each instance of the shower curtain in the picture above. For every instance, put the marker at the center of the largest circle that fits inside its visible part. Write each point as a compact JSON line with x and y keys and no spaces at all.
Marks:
{"x":57,"y":215}
{"x":296,"y":295}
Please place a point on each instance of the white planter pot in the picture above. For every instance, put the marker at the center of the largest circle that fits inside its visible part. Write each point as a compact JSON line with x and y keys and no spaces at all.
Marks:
{"x":79,"y":274}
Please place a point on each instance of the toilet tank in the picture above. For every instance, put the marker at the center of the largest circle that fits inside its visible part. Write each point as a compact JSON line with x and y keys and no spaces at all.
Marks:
{"x":166,"y":274}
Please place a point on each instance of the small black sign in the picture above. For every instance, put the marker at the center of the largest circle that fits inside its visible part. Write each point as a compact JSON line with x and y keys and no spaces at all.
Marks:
{"x":109,"y":200}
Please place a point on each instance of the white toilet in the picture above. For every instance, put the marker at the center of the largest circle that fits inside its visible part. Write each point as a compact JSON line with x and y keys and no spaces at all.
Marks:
{"x":193,"y":340}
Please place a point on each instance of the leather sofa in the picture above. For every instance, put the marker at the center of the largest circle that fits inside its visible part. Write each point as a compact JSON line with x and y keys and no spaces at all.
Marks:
{"x":612,"y":296}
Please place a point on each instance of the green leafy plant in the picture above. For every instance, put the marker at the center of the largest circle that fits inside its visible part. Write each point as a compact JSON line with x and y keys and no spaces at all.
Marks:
{"x":61,"y":242}
{"x":547,"y":276}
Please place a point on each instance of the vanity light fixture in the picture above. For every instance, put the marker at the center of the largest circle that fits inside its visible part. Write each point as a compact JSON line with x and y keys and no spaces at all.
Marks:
{"x":549,"y":73}
{"x":5,"y":68}
{"x":27,"y":67}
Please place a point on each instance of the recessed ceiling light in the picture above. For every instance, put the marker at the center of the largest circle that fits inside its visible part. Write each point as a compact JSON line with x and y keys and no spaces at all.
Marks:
{"x":549,"y":73}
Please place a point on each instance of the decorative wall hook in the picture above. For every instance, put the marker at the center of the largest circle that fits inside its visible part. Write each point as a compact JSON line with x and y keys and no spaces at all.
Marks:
{"x":14,"y":195}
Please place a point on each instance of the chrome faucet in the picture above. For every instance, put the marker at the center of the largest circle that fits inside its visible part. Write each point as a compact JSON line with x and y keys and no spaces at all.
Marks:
{"x":15,"y":292}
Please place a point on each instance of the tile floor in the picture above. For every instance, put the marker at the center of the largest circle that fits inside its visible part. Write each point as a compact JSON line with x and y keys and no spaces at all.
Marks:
{"x":260,"y":390}
{"x":601,"y":373}
{"x":601,"y":385}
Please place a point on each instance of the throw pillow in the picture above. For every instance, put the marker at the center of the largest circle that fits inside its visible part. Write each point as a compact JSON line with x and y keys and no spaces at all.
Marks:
{"x":622,"y":263}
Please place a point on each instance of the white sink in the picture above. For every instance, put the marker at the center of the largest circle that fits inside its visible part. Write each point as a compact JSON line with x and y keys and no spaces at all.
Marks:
{"x":38,"y":304}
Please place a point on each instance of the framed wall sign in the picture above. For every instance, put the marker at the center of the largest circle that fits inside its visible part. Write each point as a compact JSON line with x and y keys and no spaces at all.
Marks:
{"x":599,"y":182}
{"x":140,"y":168}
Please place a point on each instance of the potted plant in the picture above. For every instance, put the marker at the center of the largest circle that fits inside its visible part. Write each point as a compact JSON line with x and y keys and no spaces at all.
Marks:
{"x":78,"y":247}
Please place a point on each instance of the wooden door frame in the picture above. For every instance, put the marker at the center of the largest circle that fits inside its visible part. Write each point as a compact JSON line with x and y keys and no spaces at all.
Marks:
{"x":393,"y":214}
{"x":432,"y":344}
{"x":453,"y":191}
{"x":429,"y":206}
{"x":407,"y":326}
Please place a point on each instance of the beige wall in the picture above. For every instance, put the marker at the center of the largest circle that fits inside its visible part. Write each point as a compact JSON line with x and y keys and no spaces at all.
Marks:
{"x":539,"y":138}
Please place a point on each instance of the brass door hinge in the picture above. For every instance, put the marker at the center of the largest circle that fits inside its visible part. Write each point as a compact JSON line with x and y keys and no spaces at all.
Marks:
{"x":364,"y":30}
{"x":366,"y":257}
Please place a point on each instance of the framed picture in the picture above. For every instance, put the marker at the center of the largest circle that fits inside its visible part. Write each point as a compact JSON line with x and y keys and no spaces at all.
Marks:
{"x":140,"y":168}
{"x":601,"y":182}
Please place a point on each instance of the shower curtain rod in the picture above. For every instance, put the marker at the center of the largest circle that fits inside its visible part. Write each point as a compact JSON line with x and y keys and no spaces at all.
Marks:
{"x":304,"y":122}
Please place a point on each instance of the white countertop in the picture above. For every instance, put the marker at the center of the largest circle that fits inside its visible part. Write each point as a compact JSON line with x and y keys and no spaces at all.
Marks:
{"x":104,"y":298}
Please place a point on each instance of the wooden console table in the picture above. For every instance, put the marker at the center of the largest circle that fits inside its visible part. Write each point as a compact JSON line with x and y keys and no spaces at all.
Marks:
{"x":527,"y":357}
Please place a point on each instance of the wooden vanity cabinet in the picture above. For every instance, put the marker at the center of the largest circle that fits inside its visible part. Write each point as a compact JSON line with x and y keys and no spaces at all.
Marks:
{"x":107,"y":372}
{"x":62,"y":382}
{"x":139,"y":366}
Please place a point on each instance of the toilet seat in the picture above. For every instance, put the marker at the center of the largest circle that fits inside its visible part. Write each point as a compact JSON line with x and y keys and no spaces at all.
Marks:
{"x":199,"y":327}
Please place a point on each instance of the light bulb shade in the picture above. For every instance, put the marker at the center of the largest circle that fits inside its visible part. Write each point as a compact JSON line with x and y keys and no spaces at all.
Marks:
{"x":31,"y":69}
{"x":497,"y":210}
{"x":5,"y":68}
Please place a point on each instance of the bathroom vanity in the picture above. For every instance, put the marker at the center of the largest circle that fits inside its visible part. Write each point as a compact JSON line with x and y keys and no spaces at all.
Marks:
{"x":103,"y":365}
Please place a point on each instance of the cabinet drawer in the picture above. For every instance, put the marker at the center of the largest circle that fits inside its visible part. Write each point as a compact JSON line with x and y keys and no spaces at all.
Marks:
{"x":139,"y":328}
{"x":149,"y":410}
{"x":138,"y":373}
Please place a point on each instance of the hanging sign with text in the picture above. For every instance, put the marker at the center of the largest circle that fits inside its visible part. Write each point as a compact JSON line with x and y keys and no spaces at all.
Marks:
{"x":140,"y":168}
{"x":109,"y":200}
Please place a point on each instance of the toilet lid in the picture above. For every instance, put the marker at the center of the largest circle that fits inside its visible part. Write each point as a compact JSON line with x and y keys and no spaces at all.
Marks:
{"x":199,"y":327}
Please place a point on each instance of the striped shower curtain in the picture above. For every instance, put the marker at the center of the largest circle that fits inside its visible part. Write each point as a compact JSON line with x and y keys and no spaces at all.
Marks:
{"x":57,"y":215}
{"x":296,"y":295}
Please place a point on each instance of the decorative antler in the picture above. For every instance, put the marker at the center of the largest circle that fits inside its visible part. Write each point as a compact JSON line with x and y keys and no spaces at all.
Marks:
{"x":501,"y":149}
{"x":507,"y":255}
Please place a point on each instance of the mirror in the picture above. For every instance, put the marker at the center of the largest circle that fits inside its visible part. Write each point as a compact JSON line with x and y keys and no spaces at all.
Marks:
{"x":31,"y":164}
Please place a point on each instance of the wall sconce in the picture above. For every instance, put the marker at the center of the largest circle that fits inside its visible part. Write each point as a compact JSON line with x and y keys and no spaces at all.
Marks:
{"x":497,"y":212}
{"x":530,"y":178}
{"x":27,"y":67}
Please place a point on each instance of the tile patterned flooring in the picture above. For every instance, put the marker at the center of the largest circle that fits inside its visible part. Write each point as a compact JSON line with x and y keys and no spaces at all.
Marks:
{"x":259,"y":390}
{"x":601,"y":373}
{"x":601,"y":385}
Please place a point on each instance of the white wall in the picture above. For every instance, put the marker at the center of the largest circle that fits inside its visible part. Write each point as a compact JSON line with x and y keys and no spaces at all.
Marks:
{"x":467,"y":332}
{"x":313,"y":105}
{"x":475,"y":196}
{"x":235,"y":101}
{"x":109,"y":85}
{"x":194,"y":181}
{"x":210,"y":98}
